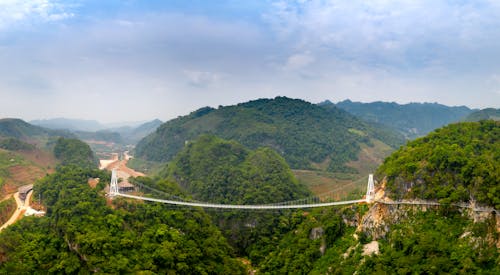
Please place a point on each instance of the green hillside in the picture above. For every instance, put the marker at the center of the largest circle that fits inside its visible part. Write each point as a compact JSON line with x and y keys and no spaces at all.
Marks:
{"x":488,"y":113}
{"x":412,"y":119}
{"x":214,"y":170}
{"x":75,"y":152}
{"x":301,"y":132}
{"x":453,"y":163}
{"x":456,"y":163}
{"x":83,"y":233}
{"x":19,"y":129}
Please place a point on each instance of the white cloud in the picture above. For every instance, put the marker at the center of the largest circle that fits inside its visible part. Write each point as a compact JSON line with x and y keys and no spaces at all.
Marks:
{"x":12,"y":11}
{"x":201,"y":78}
{"x":413,"y":34}
{"x":299,"y":61}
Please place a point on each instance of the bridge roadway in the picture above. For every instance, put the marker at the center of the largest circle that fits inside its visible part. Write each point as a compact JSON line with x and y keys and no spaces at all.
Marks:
{"x":114,"y":191}
{"x":241,"y":206}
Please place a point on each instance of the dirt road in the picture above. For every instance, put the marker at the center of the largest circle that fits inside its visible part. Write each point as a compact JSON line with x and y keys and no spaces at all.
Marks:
{"x":123,"y":171}
{"x":19,"y":211}
{"x":22,"y":207}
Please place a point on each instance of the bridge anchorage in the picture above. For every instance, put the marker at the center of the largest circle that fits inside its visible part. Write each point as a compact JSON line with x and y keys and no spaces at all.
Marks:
{"x":301,"y":203}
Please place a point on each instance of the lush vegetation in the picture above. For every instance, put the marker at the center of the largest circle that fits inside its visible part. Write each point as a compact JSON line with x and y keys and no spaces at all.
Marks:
{"x":74,"y":152}
{"x":82,"y":234}
{"x":413,"y":119}
{"x":437,"y":243}
{"x":301,"y":132}
{"x":214,"y":170}
{"x":309,"y":236}
{"x":488,"y":113}
{"x":14,"y":144}
{"x":459,"y":162}
{"x":7,"y":208}
{"x":19,"y":129}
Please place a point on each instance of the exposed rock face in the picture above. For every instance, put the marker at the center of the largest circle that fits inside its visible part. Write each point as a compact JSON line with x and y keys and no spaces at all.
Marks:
{"x":370,"y":248}
{"x":316,"y":233}
{"x":377,"y":221}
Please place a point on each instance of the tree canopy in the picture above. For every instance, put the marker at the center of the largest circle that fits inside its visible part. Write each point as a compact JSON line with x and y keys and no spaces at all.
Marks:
{"x":82,"y":234}
{"x":301,"y":132}
{"x":74,"y":152}
{"x":458,"y":162}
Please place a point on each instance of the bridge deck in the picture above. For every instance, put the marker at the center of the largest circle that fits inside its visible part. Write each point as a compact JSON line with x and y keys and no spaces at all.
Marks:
{"x":240,"y":206}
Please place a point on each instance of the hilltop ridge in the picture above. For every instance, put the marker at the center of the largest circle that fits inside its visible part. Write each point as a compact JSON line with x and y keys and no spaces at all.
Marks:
{"x":302,"y":132}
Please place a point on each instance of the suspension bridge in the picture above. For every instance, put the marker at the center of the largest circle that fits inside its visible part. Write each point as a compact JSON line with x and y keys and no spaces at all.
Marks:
{"x":302,"y":203}
{"x":311,"y":202}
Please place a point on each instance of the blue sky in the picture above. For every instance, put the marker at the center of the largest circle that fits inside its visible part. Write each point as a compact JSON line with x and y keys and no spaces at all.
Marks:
{"x":139,"y":60}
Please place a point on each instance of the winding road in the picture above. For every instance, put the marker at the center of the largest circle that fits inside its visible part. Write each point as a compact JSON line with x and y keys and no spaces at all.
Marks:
{"x":22,"y":207}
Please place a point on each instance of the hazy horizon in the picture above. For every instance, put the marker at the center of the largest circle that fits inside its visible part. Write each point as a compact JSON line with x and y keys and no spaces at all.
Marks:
{"x":140,"y":60}
{"x":130,"y":122}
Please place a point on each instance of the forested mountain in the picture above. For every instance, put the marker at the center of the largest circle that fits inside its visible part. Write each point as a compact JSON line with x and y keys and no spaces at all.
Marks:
{"x":301,"y":132}
{"x":488,"y":113}
{"x":412,"y":119}
{"x":75,"y":152}
{"x":456,"y":163}
{"x":83,"y":233}
{"x":19,"y":129}
{"x":214,"y":170}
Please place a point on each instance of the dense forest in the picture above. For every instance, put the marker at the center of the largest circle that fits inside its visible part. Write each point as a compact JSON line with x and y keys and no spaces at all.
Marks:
{"x":214,"y":170}
{"x":74,"y":152}
{"x":459,"y":162}
{"x":81,"y":233}
{"x":412,"y":119}
{"x":301,"y":132}
{"x":84,"y":232}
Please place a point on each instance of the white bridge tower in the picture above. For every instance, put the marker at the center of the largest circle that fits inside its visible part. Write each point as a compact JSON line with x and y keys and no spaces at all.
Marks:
{"x":370,"y":190}
{"x":113,"y":186}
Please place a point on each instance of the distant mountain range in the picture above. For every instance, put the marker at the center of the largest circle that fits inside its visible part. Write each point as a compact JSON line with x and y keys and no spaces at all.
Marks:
{"x":84,"y":124}
{"x":302,"y":132}
{"x":412,"y":120}
{"x":69,"y":124}
{"x":489,"y":113}
{"x":124,"y":132}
